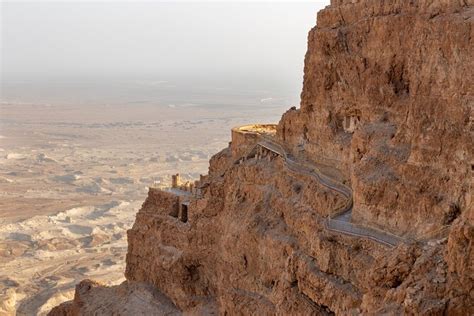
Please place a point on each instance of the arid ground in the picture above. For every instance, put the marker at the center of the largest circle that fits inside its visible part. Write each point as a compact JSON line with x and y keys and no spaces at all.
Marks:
{"x":73,"y":177}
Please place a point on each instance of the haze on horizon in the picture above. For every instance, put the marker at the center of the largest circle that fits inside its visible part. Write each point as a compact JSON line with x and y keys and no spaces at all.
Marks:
{"x":101,"y":100}
{"x":260,"y":44}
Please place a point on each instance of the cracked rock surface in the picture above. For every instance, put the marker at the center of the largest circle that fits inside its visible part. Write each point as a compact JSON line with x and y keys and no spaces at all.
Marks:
{"x":387,"y":99}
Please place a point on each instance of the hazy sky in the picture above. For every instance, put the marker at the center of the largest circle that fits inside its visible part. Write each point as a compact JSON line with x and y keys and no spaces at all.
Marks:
{"x":73,"y":39}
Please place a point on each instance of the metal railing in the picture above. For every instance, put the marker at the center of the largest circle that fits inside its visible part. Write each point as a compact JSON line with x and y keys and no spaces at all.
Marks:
{"x":332,"y":223}
{"x":311,"y":171}
{"x":359,"y":231}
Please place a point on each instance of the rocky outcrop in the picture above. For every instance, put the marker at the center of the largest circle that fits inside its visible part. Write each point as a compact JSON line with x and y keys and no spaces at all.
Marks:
{"x":129,"y":298}
{"x":388,"y":97}
{"x":387,"y":100}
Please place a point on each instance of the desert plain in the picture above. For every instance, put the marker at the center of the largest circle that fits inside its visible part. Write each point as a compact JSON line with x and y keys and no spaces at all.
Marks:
{"x":72,"y":178}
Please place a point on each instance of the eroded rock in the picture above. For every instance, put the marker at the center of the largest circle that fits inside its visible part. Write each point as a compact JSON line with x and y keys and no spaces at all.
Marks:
{"x":387,"y":99}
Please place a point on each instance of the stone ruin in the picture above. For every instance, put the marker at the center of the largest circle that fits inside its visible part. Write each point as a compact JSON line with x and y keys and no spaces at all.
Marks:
{"x":350,"y":123}
{"x":192,"y":187}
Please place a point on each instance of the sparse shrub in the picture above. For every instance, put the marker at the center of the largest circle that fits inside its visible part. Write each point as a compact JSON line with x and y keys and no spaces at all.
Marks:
{"x":452,"y":214}
{"x":297,"y":188}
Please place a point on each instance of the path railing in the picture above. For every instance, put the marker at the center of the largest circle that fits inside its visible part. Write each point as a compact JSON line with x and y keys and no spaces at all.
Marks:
{"x":350,"y":228}
{"x":311,"y":171}
{"x":337,"y":221}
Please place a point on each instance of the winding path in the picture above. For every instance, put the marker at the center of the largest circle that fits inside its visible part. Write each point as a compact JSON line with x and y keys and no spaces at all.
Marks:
{"x":341,"y":220}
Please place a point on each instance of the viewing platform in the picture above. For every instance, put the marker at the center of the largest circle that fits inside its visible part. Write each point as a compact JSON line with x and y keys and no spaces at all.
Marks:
{"x":247,"y":136}
{"x":183,"y":193}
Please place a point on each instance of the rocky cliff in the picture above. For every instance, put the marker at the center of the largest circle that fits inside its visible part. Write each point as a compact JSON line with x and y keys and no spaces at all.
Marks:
{"x":386,"y":111}
{"x":387,"y":97}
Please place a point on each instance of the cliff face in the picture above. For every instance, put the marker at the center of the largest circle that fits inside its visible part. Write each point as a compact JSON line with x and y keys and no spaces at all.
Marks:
{"x":388,"y":97}
{"x":387,"y":100}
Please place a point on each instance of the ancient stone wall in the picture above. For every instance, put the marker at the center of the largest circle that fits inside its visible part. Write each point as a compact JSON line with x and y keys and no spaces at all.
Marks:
{"x":245,"y":137}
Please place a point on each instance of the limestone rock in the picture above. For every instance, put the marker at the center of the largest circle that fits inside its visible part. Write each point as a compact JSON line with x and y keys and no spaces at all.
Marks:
{"x":388,"y":97}
{"x":387,"y":100}
{"x":92,"y":298}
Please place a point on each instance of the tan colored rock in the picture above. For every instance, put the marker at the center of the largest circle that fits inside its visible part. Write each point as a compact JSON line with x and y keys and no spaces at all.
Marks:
{"x":92,"y":298}
{"x":404,"y":70}
{"x":387,"y":99}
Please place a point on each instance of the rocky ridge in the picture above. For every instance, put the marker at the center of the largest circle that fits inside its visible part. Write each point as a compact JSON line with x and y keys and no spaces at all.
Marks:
{"x":386,"y":110}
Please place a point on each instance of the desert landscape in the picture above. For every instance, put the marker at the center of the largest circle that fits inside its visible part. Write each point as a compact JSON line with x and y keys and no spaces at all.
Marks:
{"x":72,"y":179}
{"x":359,"y":201}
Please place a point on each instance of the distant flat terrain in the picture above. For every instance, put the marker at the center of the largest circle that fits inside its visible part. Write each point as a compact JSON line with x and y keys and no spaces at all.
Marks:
{"x":73,"y":177}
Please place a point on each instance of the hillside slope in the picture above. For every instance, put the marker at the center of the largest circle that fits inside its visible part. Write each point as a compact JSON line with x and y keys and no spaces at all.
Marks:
{"x":386,"y":111}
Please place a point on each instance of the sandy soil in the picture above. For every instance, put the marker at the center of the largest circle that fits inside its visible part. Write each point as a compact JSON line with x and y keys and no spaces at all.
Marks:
{"x":72,"y":179}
